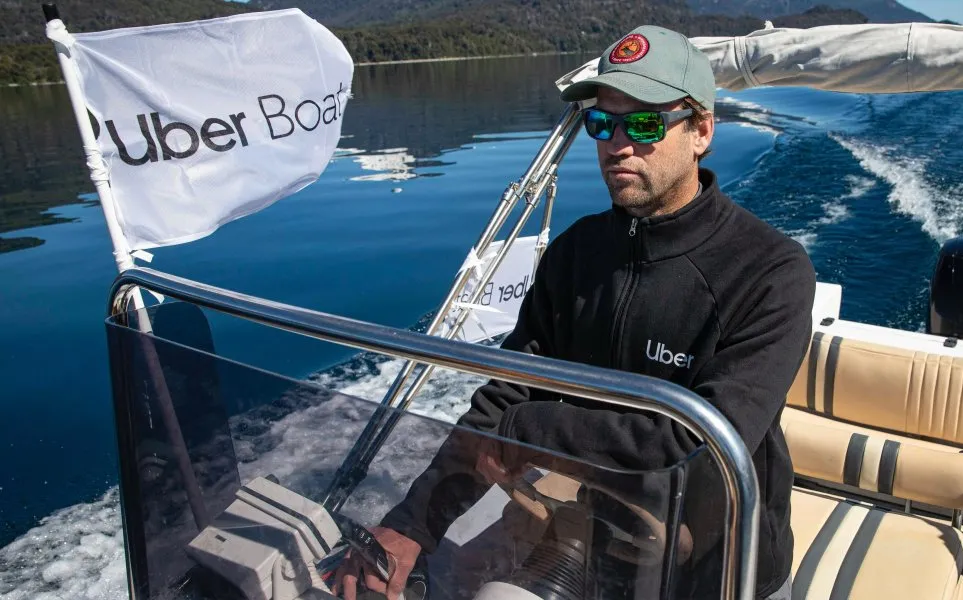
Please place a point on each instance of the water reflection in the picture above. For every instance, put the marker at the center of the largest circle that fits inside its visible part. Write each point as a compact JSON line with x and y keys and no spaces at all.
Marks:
{"x":41,"y":164}
{"x":431,"y":107}
{"x":402,"y":118}
{"x":390,"y":164}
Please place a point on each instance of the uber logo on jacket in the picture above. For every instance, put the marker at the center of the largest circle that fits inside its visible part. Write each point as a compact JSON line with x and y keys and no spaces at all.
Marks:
{"x":662,"y":354}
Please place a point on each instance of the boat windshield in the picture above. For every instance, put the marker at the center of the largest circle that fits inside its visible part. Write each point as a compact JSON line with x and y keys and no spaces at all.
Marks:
{"x":208,"y":446}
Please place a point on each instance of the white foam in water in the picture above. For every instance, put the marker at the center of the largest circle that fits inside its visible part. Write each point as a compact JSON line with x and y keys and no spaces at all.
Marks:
{"x":301,"y":456}
{"x":806,"y":238}
{"x":835,"y":213}
{"x":77,"y":553}
{"x":940,"y":214}
{"x":445,"y":396}
{"x":859,"y":186}
{"x":743,"y":104}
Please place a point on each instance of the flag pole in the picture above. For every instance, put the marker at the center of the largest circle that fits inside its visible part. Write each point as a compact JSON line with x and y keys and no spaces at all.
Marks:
{"x":63,"y":42}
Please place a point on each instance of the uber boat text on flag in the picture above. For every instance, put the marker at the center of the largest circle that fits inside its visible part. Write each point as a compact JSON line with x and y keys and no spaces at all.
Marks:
{"x":204,"y":122}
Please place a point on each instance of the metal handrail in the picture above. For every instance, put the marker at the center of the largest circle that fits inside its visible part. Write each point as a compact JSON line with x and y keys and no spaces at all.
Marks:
{"x":617,"y":388}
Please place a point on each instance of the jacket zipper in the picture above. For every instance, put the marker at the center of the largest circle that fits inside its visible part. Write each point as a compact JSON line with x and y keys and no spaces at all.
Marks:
{"x":618,"y":324}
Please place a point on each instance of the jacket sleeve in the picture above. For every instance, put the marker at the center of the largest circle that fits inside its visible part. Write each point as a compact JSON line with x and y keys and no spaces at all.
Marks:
{"x":747,"y":379}
{"x":450,"y":485}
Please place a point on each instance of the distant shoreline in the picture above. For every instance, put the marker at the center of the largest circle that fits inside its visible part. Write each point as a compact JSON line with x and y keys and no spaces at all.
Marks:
{"x":454,"y":58}
{"x":375,"y":64}
{"x":33,"y":84}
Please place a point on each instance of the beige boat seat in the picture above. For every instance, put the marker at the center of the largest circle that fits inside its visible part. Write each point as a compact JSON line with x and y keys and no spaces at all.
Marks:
{"x":845,"y":550}
{"x":907,"y":392}
{"x":905,"y":468}
{"x":886,"y":421}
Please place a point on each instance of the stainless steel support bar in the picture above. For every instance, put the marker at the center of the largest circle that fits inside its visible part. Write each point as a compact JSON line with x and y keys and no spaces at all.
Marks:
{"x":510,"y":197}
{"x":546,"y":220}
{"x":550,"y":196}
{"x":484,"y":279}
{"x":536,"y":178}
{"x":389,"y":423}
{"x":533,"y":175}
{"x":613,"y":387}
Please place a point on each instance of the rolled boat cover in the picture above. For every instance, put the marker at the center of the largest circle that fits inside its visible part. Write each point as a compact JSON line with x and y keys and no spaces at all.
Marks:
{"x":870,"y":58}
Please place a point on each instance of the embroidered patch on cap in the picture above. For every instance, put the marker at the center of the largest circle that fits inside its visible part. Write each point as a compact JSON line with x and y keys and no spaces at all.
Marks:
{"x":630,"y":49}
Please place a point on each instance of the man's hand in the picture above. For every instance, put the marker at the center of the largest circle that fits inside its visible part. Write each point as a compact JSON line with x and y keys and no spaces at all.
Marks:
{"x":402,"y":553}
{"x":490,"y":464}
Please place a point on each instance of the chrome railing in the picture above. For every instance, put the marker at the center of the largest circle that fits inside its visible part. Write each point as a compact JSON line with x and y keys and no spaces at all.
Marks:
{"x":617,"y":388}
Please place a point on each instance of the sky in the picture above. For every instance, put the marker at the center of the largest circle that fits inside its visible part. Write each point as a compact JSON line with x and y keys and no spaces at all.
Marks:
{"x":937,"y":9}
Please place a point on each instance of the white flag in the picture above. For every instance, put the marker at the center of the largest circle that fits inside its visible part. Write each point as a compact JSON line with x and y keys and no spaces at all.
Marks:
{"x":205,"y":122}
{"x":496,"y":311}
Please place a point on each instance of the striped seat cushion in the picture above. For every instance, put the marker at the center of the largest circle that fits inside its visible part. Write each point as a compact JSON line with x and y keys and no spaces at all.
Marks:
{"x":845,"y":551}
{"x":887,"y":463}
{"x":919,"y":394}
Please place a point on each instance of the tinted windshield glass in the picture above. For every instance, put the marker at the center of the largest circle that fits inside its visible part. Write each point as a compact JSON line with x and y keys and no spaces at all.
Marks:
{"x":225,"y":466}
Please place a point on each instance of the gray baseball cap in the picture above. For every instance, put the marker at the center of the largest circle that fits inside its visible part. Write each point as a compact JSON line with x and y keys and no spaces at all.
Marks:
{"x":653,"y":65}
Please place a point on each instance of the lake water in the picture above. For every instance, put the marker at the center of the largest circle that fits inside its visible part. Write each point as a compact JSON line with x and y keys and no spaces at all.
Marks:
{"x":871,"y":185}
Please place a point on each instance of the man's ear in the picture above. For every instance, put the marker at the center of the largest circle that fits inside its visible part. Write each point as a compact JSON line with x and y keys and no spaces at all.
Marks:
{"x":703,"y":135}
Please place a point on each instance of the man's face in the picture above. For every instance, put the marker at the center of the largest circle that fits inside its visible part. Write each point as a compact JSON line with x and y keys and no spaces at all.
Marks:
{"x":646,"y":178}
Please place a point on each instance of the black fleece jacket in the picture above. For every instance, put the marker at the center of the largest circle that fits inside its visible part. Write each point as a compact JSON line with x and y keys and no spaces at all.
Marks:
{"x":711,"y":298}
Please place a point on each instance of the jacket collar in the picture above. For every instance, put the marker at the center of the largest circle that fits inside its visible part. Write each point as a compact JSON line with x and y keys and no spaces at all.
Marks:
{"x":666,"y":236}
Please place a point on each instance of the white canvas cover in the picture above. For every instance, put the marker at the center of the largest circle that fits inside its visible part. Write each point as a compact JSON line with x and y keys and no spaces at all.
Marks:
{"x":204,"y":122}
{"x":871,"y":58}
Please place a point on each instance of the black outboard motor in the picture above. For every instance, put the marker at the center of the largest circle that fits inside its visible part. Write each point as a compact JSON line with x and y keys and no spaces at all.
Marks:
{"x":946,"y":292}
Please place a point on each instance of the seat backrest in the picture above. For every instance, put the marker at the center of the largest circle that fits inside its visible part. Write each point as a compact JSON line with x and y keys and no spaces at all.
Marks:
{"x":895,"y":389}
{"x":884,"y":463}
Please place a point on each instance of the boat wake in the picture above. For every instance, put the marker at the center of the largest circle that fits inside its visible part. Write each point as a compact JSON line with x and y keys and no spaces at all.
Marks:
{"x":445,"y":395}
{"x":834,"y":212}
{"x":939,"y":213}
{"x":77,"y":553}
{"x":837,"y":211}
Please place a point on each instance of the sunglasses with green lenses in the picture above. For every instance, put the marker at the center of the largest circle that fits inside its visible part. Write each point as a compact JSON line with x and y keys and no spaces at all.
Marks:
{"x":642,"y":127}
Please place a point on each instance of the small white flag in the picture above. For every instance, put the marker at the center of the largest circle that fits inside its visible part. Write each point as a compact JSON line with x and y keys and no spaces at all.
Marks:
{"x":496,"y":310}
{"x":205,"y":122}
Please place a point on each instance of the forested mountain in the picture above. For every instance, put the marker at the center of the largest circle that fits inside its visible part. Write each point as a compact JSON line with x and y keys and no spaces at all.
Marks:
{"x":378,"y":30}
{"x":877,"y":11}
{"x":383,"y":30}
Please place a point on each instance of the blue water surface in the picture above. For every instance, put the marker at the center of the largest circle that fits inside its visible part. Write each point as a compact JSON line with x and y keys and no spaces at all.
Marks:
{"x":870,"y":192}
